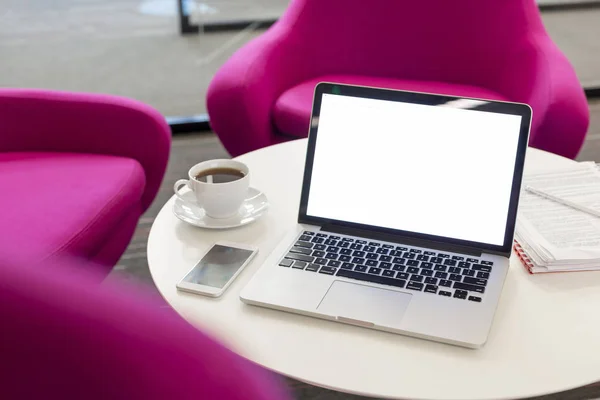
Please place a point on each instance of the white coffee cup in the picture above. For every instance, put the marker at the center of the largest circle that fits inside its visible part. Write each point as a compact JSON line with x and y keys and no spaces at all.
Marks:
{"x":219,"y":200}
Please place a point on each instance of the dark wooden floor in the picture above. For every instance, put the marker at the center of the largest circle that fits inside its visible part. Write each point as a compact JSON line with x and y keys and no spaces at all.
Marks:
{"x":191,"y":149}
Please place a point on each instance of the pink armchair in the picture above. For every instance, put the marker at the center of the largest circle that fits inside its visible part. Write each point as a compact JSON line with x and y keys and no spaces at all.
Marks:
{"x":486,"y":49}
{"x":76,"y":173}
{"x":65,"y":338}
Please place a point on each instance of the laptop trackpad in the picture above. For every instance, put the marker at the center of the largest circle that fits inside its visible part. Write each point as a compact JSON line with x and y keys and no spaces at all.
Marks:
{"x":365,"y":303}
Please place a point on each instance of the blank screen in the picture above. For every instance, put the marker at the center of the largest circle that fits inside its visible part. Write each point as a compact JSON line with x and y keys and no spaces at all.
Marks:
{"x":436,"y":170}
{"x":218,"y":266}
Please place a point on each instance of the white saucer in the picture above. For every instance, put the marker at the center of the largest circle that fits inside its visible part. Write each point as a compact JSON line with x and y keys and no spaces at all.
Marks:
{"x":187,"y":210}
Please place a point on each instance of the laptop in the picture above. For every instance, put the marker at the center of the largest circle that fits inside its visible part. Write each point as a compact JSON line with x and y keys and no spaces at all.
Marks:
{"x":406,"y":216}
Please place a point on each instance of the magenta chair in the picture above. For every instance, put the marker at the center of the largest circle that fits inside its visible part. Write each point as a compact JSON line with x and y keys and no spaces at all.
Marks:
{"x":484,"y":49}
{"x":64,"y":338}
{"x":76,"y":173}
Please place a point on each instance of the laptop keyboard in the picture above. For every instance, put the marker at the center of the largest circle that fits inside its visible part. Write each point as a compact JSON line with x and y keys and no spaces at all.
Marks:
{"x":421,"y":270}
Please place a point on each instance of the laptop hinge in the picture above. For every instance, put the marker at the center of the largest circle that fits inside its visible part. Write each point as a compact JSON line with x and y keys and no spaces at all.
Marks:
{"x":430,"y":244}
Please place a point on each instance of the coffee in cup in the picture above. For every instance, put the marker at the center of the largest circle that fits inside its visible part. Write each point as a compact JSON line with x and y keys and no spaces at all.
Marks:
{"x":220,"y":186}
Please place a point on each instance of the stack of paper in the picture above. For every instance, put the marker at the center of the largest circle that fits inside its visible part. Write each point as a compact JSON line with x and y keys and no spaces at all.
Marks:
{"x":552,"y":236}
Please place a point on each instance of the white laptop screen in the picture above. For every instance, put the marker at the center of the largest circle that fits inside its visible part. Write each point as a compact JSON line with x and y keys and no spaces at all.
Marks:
{"x":436,"y":170}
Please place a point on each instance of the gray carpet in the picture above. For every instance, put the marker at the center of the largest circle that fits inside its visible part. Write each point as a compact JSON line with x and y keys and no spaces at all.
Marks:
{"x":191,"y":149}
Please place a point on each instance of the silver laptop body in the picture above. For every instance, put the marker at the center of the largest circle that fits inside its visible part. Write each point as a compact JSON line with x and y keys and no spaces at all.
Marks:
{"x":406,"y":217}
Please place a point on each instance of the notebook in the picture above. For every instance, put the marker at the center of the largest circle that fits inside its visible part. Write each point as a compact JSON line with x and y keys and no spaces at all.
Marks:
{"x":551,"y":236}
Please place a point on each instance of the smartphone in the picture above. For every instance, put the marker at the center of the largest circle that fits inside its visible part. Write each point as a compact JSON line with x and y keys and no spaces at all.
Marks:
{"x":213,"y":274}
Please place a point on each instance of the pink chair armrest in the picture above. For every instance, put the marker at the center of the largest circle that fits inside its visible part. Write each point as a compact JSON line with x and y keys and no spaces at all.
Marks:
{"x":42,"y":120}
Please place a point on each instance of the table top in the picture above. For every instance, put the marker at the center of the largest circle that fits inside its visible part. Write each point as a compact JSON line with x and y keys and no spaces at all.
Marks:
{"x":544,"y":338}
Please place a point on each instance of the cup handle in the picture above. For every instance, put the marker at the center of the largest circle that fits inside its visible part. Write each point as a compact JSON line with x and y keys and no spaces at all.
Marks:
{"x":177,"y":186}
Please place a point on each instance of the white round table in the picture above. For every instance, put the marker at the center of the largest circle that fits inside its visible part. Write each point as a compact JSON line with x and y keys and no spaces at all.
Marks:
{"x":545,"y":337}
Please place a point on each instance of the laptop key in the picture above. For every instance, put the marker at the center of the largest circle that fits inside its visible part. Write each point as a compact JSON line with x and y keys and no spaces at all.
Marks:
{"x":402,"y":275}
{"x":460,"y":294}
{"x":384,"y":280}
{"x":385,"y":258}
{"x":426,"y":272}
{"x":414,"y":285}
{"x":300,"y":250}
{"x":444,"y":282}
{"x":475,"y":298}
{"x":464,"y":264}
{"x":344,"y":258}
{"x":408,"y":255}
{"x":375,"y":271}
{"x":454,"y":270}
{"x":346,"y":252}
{"x":442,"y":275}
{"x":327,"y":270}
{"x":300,"y":257}
{"x":397,"y":267}
{"x":356,"y":246}
{"x":412,"y":270}
{"x":286,"y":262}
{"x":400,"y":248}
{"x":436,"y":260}
{"x":431,"y":289}
{"x":331,"y":256}
{"x":358,"y":253}
{"x":481,"y":267}
{"x":387,"y":246}
{"x":321,"y":261}
{"x":343,"y":244}
{"x":472,"y":260}
{"x":429,"y":253}
{"x":388,"y":273}
{"x":361,"y":241}
{"x":412,"y":263}
{"x":440,"y":267}
{"x":385,"y":265}
{"x":308,"y":245}
{"x":450,"y":262}
{"x":382,"y":251}
{"x":422,"y":257}
{"x":319,"y":247}
{"x":305,"y":237}
{"x":443,"y":255}
{"x":334,"y":237}
{"x":475,"y":281}
{"x":369,"y":248}
{"x":371,"y":263}
{"x":395,"y":253}
{"x":318,"y":253}
{"x":431,"y":281}
{"x":468,"y":272}
{"x":458,"y":258}
{"x":398,"y":260}
{"x":333,"y":263}
{"x":415,"y":251}
{"x":455,"y":277}
{"x":487,"y":263}
{"x":347,"y":265}
{"x":321,"y":235}
{"x":444,"y":293}
{"x":332,"y":249}
{"x":358,"y":260}
{"x":317,"y":240}
{"x":299,"y":265}
{"x":372,"y":256}
{"x":483,"y":275}
{"x":331,"y":242}
{"x":426,"y":265}
{"x":309,"y":233}
{"x":416,"y":278}
{"x":471,"y":288}
{"x":360,"y":268}
{"x":312,"y":267}
{"x":348,"y":239}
